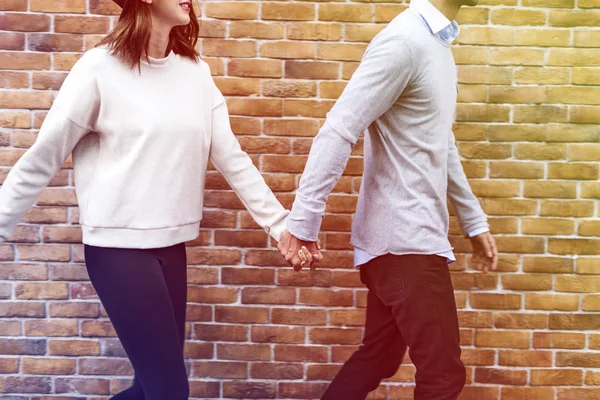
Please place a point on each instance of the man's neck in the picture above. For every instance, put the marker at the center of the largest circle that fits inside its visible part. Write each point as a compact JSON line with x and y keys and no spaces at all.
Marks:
{"x":447,"y":7}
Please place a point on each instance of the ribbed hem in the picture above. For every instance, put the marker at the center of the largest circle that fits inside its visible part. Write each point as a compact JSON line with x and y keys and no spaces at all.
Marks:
{"x":139,"y":238}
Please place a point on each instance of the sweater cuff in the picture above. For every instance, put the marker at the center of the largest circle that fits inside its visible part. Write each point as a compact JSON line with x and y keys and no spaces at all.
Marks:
{"x":277,"y":229}
{"x":303,"y":224}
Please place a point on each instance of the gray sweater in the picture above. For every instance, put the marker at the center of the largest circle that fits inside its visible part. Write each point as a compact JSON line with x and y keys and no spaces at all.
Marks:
{"x":404,"y":95}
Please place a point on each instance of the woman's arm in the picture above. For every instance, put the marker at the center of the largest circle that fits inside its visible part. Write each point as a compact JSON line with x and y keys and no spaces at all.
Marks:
{"x":241,"y":174}
{"x":71,"y":117}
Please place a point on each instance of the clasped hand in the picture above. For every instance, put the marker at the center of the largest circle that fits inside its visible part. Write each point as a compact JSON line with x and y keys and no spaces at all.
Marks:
{"x":299,"y":253}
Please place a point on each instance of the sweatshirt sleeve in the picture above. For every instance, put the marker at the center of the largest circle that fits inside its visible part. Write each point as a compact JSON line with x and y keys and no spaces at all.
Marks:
{"x":470,"y":214}
{"x":241,"y":174}
{"x":380,"y":79}
{"x":71,"y":117}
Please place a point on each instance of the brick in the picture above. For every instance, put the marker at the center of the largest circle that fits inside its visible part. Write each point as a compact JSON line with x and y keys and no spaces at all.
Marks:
{"x":574,"y":321}
{"x":247,"y":276}
{"x":231,"y":10}
{"x":48,"y":366}
{"x":590,"y":190}
{"x":482,"y":113}
{"x":578,"y":394}
{"x":14,"y":5}
{"x":288,"y":277}
{"x":551,"y":302}
{"x":314,"y":31}
{"x":20,"y":61}
{"x":14,"y":99}
{"x":73,"y":310}
{"x":81,"y":24}
{"x":296,"y":353}
{"x":82,"y":385}
{"x":326,"y":297}
{"x":211,"y":28}
{"x":481,"y":392}
{"x":577,"y":359}
{"x":512,"y":393}
{"x":307,"y":108}
{"x":473,"y":16}
{"x":485,"y":151}
{"x":515,"y":133}
{"x":467,"y":281}
{"x":557,"y":340}
{"x":213,"y":257}
{"x":510,"y":207}
{"x":578,"y":284}
{"x":345,"y":12}
{"x":469,"y":55}
{"x":591,"y":378}
{"x":11,"y":41}
{"x":22,"y":309}
{"x":550,"y":189}
{"x":272,"y":334}
{"x":540,"y":114}
{"x":51,"y":328}
{"x":587,"y":152}
{"x":507,"y":320}
{"x":286,"y":89}
{"x":104,"y":366}
{"x":25,"y":22}
{"x":584,"y":114}
{"x":13,"y":119}
{"x":562,"y":208}
{"x":502,"y":339}
{"x":543,"y":37}
{"x":501,"y":376}
{"x":41,"y":291}
{"x":302,"y":390}
{"x":486,"y":35}
{"x":244,"y":352}
{"x":516,"y":56}
{"x":58,"y":6}
{"x":495,"y":301}
{"x":221,"y":333}
{"x":212,"y":295}
{"x":335,"y":335}
{"x":574,"y":57}
{"x":298,"y":316}
{"x":387,"y":12}
{"x":586,"y":76}
{"x":255,"y":107}
{"x":220,"y":370}
{"x":501,"y":94}
{"x":228,"y":48}
{"x":525,"y":358}
{"x":542,"y":75}
{"x":575,"y":171}
{"x":472,"y":94}
{"x":591,"y":303}
{"x":23,"y":272}
{"x":27,"y":384}
{"x":47,"y":80}
{"x":268,"y":296}
{"x":534,"y":151}
{"x":341,"y":52}
{"x":516,"y":17}
{"x":198,"y":350}
{"x":73,"y":347}
{"x":257,"y":30}
{"x":311,"y":70}
{"x":287,"y":11}
{"x":278,"y":371}
{"x":587,"y":265}
{"x":288,"y":50}
{"x":55,"y":42}
{"x":574,"y":246}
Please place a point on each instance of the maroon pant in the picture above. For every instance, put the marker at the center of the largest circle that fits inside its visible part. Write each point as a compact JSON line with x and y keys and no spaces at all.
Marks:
{"x":410,"y":304}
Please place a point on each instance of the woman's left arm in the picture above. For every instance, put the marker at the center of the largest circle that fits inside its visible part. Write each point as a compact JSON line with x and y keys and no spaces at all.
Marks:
{"x":241,"y":174}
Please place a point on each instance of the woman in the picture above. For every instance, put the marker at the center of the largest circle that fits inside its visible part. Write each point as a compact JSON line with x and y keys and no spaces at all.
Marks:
{"x":142,"y":117}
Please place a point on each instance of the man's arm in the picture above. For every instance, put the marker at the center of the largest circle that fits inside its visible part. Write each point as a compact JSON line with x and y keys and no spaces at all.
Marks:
{"x":471,"y":217}
{"x":379,"y":80}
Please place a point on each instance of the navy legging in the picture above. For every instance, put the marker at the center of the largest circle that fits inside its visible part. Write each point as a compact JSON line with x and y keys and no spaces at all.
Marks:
{"x":144,"y":292}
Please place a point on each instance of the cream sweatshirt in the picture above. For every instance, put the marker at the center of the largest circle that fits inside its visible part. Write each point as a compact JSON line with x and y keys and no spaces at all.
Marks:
{"x":141,"y":144}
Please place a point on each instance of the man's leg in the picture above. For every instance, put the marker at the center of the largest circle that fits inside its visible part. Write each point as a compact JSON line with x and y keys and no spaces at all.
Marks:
{"x":378,"y":357}
{"x":425,"y":312}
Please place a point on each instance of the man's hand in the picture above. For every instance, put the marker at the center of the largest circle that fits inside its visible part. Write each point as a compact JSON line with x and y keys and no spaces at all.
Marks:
{"x":485,"y":253}
{"x":298,"y":253}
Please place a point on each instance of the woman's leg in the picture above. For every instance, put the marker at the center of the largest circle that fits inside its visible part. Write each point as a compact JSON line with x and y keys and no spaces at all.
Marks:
{"x":133,"y":289}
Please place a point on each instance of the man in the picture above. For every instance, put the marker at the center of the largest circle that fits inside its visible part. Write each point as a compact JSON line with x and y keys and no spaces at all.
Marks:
{"x":404,"y":94}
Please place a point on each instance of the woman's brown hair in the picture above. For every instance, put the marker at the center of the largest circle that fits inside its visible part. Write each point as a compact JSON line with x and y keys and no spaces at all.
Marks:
{"x":130,"y":38}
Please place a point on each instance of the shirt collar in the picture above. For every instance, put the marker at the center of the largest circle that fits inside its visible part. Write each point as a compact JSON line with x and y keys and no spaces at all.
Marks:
{"x":432,"y":16}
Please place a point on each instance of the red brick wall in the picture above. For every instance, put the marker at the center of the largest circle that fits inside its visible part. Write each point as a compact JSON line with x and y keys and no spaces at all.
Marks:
{"x":527,"y":123}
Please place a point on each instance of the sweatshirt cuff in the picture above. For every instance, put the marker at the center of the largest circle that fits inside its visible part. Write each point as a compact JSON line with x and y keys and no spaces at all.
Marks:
{"x":478,"y":231}
{"x":277,"y":229}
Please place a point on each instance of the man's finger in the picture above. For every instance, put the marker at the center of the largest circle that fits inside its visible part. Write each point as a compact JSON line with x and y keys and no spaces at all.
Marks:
{"x":486,"y":246}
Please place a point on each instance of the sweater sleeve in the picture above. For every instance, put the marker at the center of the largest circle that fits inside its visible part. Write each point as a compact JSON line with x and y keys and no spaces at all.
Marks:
{"x":71,"y":116}
{"x":470,"y":215}
{"x":380,"y":79}
{"x":241,"y":174}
